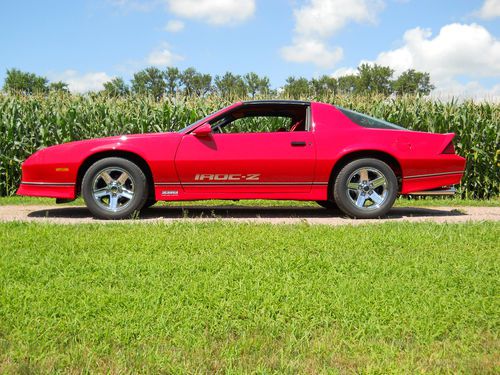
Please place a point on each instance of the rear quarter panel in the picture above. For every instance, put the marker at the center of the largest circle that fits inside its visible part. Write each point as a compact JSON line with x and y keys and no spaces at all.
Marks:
{"x":417,"y":153}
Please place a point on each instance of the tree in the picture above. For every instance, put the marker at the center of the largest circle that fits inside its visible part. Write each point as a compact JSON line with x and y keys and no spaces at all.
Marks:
{"x":24,"y":82}
{"x":256,"y":85}
{"x":116,"y":88}
{"x":230,"y":86}
{"x":59,"y":86}
{"x":413,"y":82}
{"x":324,"y":85}
{"x":195,"y":83}
{"x":173,"y":80}
{"x":149,"y":81}
{"x":347,"y":84}
{"x":374,"y":79}
{"x":202,"y":84}
{"x":297,"y":88}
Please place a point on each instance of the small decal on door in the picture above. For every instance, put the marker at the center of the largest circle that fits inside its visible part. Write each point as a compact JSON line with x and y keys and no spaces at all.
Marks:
{"x":170,"y":192}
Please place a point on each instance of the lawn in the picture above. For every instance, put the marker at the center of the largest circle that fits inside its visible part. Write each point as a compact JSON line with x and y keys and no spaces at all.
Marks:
{"x":234,"y":298}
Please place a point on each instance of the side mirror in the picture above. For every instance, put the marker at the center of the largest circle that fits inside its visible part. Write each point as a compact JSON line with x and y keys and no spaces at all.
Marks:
{"x":203,"y":131}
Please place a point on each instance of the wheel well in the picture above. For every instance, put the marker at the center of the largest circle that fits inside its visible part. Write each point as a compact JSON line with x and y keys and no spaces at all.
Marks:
{"x":390,"y":160}
{"x":134,"y":158}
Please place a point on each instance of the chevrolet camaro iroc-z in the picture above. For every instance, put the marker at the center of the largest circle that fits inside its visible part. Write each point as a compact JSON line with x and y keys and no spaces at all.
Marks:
{"x":291,"y":150}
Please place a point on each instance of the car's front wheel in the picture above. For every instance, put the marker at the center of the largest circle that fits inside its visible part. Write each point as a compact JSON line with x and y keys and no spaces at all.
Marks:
{"x":365,"y":188}
{"x":114,"y":188}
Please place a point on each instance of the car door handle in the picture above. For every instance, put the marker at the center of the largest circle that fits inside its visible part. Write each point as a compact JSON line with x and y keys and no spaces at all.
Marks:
{"x":298,"y":144}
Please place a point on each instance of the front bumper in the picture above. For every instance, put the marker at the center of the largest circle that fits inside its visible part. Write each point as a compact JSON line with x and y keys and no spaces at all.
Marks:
{"x":49,"y":190}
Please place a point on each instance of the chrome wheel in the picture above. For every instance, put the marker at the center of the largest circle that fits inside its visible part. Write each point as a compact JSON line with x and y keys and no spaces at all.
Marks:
{"x":113,"y":189}
{"x":367,"y":188}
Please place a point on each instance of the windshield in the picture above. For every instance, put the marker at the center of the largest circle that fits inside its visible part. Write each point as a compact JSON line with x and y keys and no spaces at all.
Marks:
{"x":368,"y":121}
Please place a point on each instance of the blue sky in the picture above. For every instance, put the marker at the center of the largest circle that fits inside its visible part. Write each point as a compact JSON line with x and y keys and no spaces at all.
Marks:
{"x":87,"y":42}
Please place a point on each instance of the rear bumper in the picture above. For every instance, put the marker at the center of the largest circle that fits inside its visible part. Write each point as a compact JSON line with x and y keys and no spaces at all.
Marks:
{"x":430,"y":182}
{"x":47,"y":189}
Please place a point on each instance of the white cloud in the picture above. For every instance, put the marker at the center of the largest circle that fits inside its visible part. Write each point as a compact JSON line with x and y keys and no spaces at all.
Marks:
{"x":458,"y":49}
{"x":340,"y":72}
{"x":174,"y":26}
{"x":489,"y":10}
{"x":162,"y":56}
{"x":322,"y":18}
{"x":313,"y":51}
{"x":216,"y":12}
{"x":317,"y":20}
{"x":81,"y":83}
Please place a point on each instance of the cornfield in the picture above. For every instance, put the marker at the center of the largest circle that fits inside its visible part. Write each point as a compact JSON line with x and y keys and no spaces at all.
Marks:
{"x":28,"y":123}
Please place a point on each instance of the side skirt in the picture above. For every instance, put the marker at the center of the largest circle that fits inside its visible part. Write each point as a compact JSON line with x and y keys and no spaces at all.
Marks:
{"x":175,"y":193}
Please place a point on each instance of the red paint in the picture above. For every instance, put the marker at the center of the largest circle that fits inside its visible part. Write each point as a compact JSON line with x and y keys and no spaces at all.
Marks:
{"x":285,"y":171}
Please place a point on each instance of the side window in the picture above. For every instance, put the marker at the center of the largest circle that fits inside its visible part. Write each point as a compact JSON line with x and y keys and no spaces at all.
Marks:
{"x":258,"y":124}
{"x":262,"y":119}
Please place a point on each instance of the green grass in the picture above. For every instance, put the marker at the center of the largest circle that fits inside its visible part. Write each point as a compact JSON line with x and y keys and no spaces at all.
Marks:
{"x":233,"y":298}
{"x":400,"y":202}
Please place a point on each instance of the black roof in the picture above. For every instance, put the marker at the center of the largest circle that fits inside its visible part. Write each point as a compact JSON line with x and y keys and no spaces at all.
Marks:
{"x":276,"y":101}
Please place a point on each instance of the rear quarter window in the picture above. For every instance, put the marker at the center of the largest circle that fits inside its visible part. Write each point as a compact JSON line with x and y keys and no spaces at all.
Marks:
{"x":368,"y":121}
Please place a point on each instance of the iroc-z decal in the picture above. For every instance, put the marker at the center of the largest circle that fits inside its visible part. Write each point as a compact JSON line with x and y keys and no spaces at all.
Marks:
{"x":227,"y":177}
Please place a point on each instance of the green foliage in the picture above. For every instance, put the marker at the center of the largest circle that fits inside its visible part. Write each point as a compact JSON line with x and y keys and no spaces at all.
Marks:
{"x":195,"y":83}
{"x":263,"y":123}
{"x":230,"y":86}
{"x":173,"y":80}
{"x":297,"y":88}
{"x":221,"y":297}
{"x":347,"y":84}
{"x":116,"y":88}
{"x":17,"y":81}
{"x":324,"y":86}
{"x":28,"y":123}
{"x":149,"y":82}
{"x":59,"y":87}
{"x":370,"y":79}
{"x":256,"y":85}
{"x":413,"y":82}
{"x":374,"y":79}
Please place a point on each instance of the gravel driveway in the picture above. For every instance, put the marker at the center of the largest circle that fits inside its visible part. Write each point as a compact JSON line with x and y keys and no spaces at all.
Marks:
{"x":275,"y":215}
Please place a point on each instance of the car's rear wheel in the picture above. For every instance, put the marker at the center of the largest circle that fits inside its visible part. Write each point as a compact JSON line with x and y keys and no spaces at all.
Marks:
{"x":365,"y":188}
{"x":114,"y":188}
{"x":329,"y":205}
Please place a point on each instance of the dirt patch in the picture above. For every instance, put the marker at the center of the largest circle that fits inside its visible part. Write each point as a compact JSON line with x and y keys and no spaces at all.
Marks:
{"x":275,"y":215}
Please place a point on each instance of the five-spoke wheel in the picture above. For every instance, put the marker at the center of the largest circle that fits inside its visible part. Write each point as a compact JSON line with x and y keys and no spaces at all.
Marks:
{"x":114,"y":188}
{"x":365,"y":188}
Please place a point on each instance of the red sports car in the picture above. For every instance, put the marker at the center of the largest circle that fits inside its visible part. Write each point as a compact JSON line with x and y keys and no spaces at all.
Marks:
{"x":252,"y":150}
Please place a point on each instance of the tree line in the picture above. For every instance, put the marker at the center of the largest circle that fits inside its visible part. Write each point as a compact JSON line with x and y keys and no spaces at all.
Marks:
{"x":369,"y":79}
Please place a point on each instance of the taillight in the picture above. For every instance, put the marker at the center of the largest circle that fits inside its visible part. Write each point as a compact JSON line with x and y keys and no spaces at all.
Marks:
{"x":450,"y":149}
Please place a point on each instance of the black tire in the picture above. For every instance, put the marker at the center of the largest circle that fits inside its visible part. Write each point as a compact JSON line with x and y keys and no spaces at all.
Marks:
{"x":149,"y":202}
{"x":365,"y":198}
{"x":329,"y":205}
{"x":109,"y":194}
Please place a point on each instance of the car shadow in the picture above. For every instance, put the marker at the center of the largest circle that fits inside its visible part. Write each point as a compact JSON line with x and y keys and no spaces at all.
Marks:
{"x":241,"y":212}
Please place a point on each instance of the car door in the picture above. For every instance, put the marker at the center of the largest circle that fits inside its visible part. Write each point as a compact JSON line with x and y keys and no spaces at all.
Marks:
{"x":274,"y":162}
